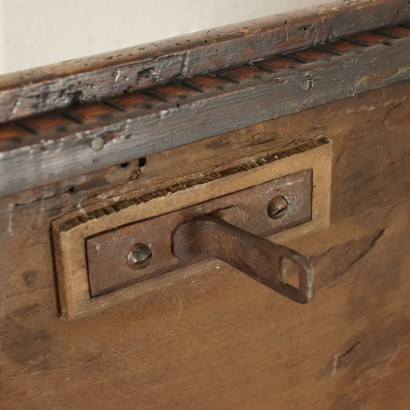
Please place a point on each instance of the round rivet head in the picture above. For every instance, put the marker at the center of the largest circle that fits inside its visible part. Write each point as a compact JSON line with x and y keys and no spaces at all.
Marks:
{"x":97,"y":143}
{"x":278,"y":207}
{"x":139,"y":256}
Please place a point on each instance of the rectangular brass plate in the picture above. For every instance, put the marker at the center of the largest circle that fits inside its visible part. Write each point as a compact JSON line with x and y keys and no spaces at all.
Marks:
{"x":247,"y":209}
{"x":70,"y":232}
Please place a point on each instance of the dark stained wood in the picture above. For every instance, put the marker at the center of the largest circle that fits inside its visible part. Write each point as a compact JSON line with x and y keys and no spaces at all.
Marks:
{"x":83,"y":80}
{"x":219,"y":340}
{"x":127,"y":126}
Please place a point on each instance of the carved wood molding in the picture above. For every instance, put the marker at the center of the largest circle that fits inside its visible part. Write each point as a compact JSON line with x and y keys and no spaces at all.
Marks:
{"x":86,"y":79}
{"x":233,"y":78}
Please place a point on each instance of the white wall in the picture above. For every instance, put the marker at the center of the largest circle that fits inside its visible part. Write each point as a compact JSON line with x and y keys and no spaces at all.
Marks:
{"x":2,"y":40}
{"x":38,"y":32}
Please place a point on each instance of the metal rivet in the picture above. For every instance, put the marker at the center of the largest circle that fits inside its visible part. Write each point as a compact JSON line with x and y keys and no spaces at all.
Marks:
{"x":139,"y":256}
{"x":277,"y":207}
{"x":97,"y":143}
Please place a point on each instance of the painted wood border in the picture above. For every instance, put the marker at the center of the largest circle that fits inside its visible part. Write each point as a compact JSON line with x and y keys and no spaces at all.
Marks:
{"x":87,"y":79}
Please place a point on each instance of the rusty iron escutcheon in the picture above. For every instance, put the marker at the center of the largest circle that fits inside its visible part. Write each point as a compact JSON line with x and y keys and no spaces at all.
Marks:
{"x":142,"y":250}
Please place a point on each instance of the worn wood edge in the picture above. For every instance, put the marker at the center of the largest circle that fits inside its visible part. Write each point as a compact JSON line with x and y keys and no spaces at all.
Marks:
{"x":5,"y":223}
{"x":249,"y":103}
{"x":120,"y":202}
{"x":69,"y":249}
{"x":46,"y":88}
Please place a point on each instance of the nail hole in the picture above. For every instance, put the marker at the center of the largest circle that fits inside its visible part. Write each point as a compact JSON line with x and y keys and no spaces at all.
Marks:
{"x":30,"y":278}
{"x":142,"y":162}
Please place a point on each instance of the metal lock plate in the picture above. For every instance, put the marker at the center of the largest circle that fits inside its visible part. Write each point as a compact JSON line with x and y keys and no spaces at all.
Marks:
{"x":92,"y":245}
{"x":109,"y":254}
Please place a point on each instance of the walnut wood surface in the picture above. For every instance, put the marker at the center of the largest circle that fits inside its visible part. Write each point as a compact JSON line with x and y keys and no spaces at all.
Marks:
{"x":217,"y":339}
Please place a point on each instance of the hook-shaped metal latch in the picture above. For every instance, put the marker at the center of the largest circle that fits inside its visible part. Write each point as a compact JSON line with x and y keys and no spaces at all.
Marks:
{"x":229,"y":227}
{"x":211,"y":237}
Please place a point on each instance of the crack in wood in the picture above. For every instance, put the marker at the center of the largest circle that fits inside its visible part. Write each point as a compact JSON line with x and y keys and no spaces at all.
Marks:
{"x":339,"y":358}
{"x":349,"y":255}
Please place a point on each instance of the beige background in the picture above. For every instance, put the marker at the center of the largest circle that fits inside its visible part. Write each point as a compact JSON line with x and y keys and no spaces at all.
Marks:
{"x":38,"y":32}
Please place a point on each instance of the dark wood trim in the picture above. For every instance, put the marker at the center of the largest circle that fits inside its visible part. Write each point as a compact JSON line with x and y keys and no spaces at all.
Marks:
{"x":83,"y":80}
{"x":79,"y":139}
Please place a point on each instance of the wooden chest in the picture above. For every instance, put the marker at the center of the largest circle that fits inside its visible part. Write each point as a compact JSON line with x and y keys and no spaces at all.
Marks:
{"x":148,"y":131}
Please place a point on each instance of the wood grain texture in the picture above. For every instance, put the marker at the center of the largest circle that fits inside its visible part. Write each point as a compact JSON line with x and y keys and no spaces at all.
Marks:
{"x":117,"y":130}
{"x":77,"y":81}
{"x":219,"y":340}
